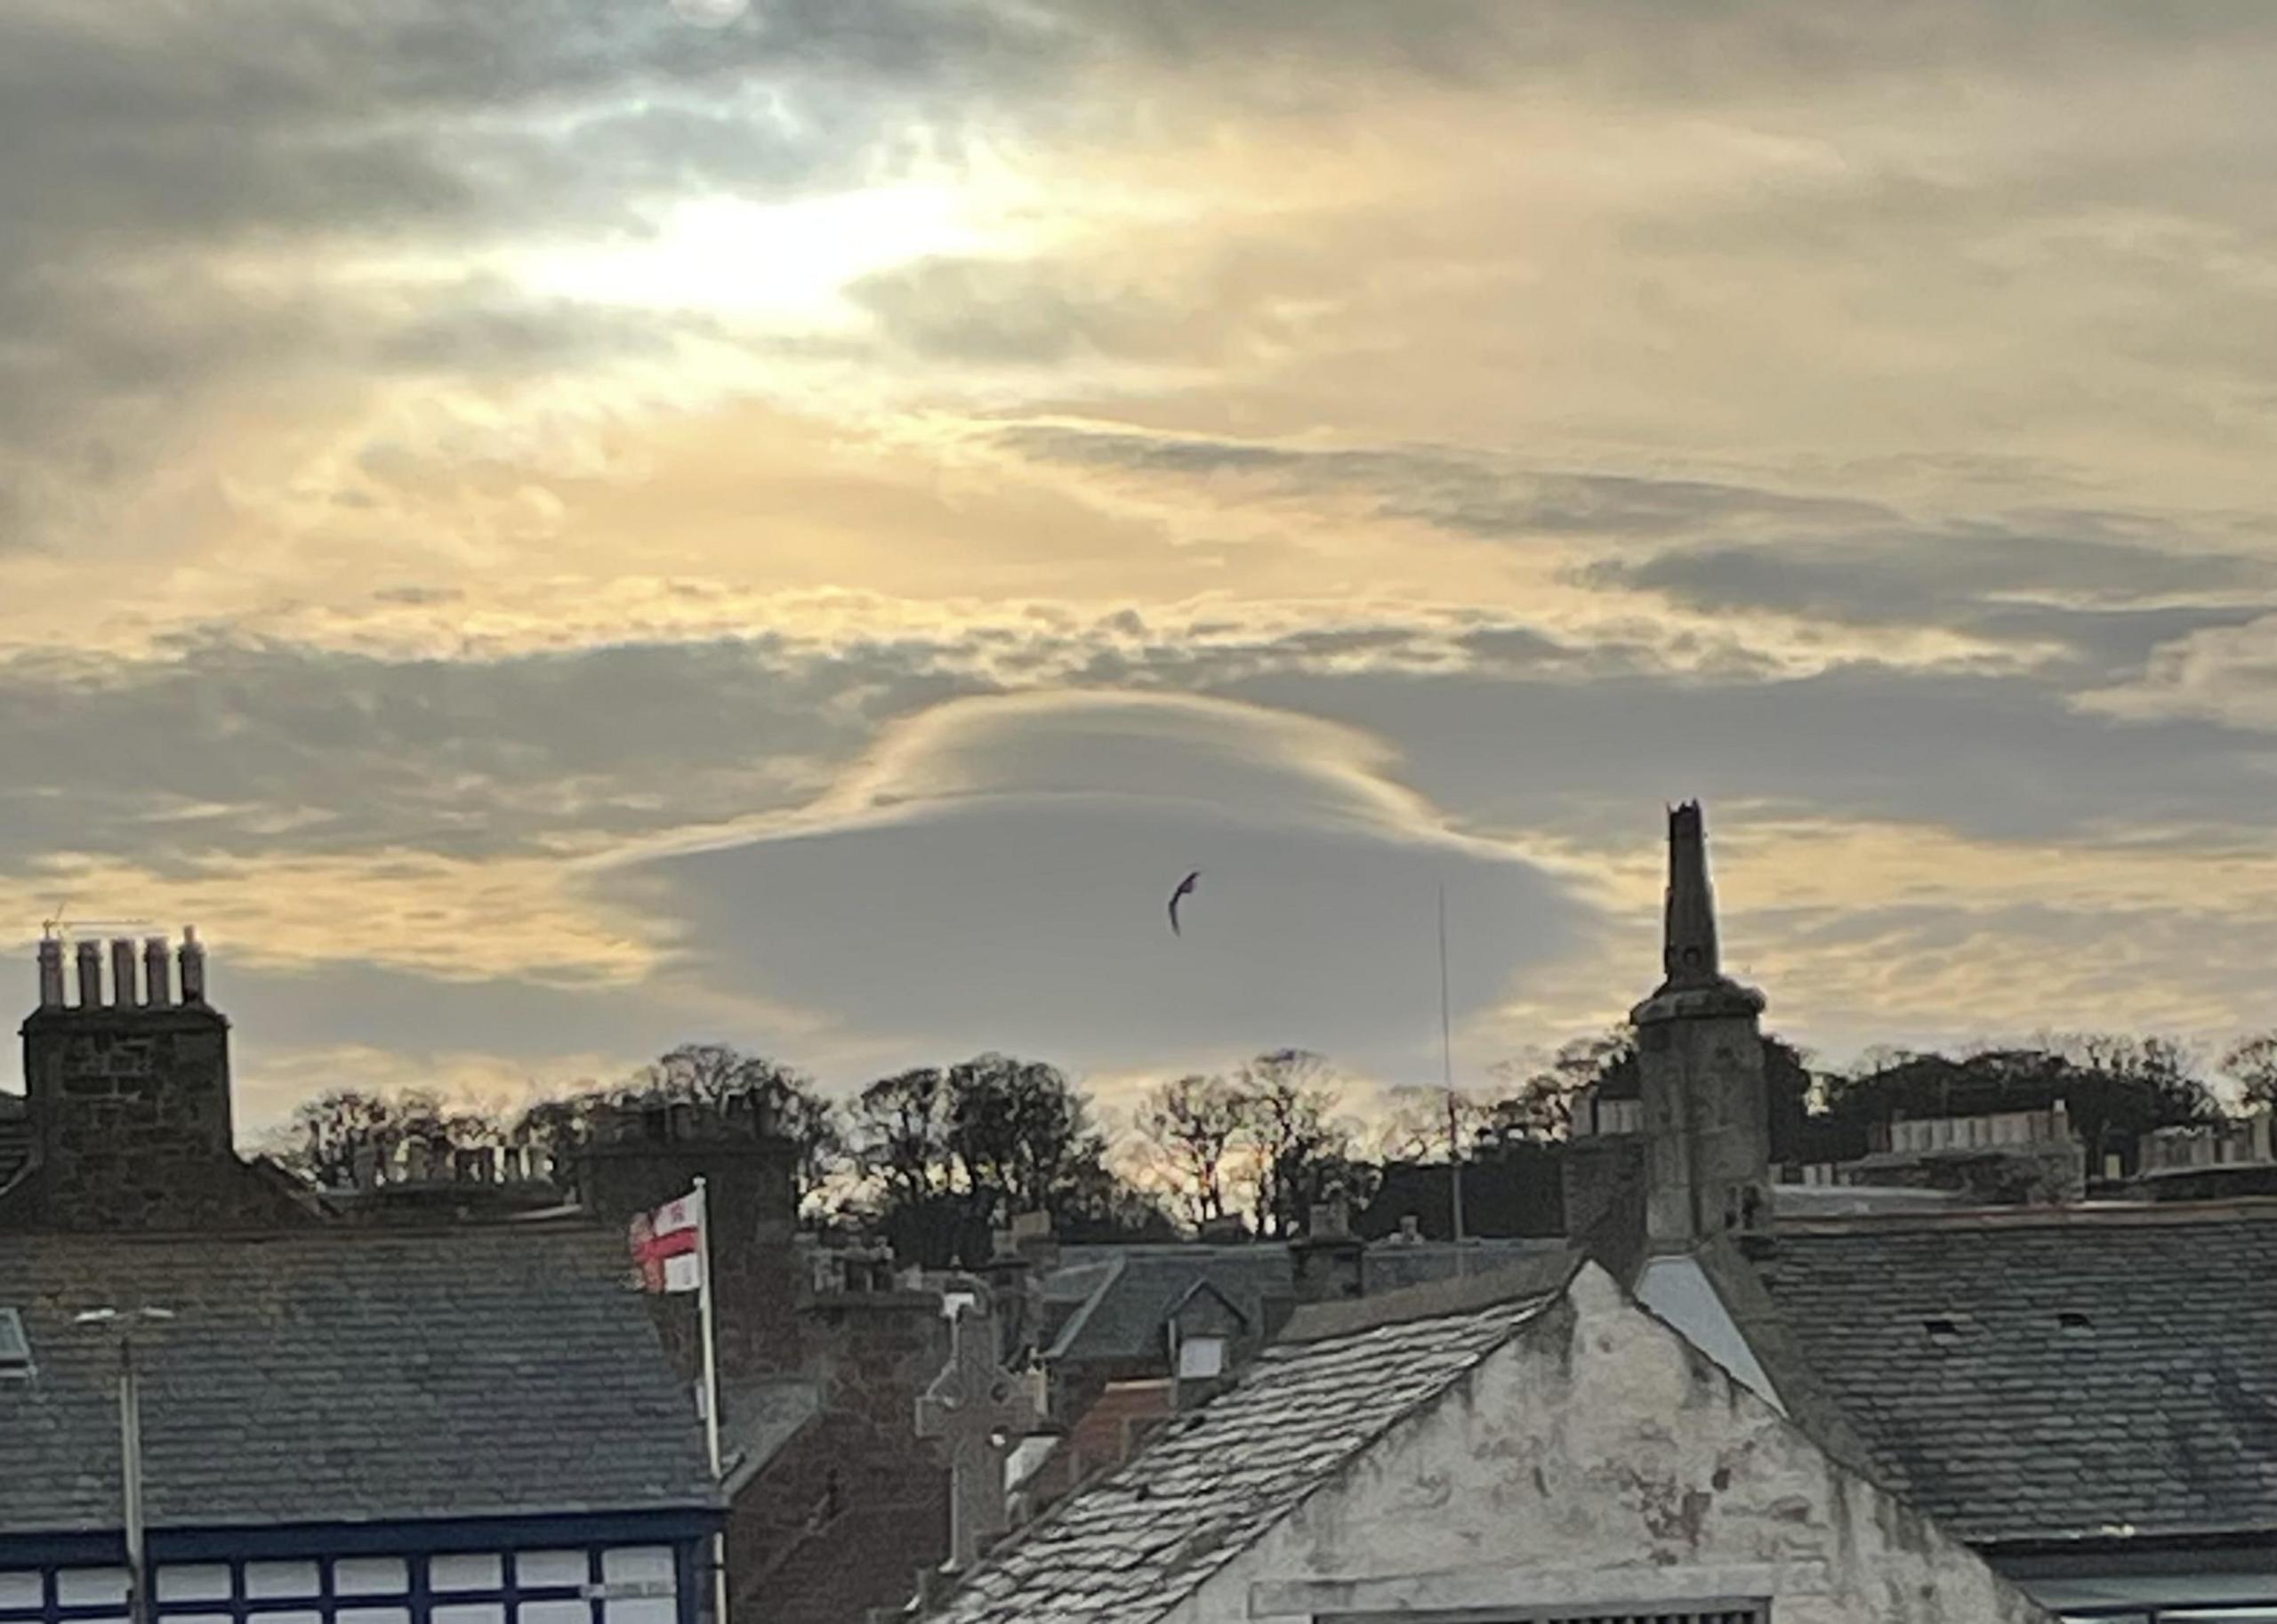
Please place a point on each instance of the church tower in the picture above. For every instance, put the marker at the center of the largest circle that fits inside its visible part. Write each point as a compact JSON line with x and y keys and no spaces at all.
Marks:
{"x":1700,"y":1058}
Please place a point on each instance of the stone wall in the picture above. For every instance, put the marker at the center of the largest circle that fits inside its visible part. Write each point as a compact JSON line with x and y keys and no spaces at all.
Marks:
{"x":847,"y":1515}
{"x":2028,"y":1175}
{"x":748,"y":1185}
{"x":1599,"y":1461}
{"x":132,"y":1121}
{"x":1707,"y":1122}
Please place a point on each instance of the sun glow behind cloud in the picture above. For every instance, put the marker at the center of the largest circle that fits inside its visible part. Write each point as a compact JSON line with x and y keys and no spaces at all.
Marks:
{"x":782,"y":266}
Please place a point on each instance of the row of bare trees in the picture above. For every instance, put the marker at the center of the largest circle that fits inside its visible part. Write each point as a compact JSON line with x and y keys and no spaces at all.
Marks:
{"x":938,"y":1156}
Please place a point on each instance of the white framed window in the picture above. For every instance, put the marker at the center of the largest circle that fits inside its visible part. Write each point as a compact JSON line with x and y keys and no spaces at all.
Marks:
{"x":1200,"y":1358}
{"x":467,"y":1571}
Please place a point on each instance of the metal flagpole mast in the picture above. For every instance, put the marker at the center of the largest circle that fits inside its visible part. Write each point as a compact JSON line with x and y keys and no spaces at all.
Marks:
{"x":711,"y":1386}
{"x":1447,"y":1066}
{"x":130,"y":1458}
{"x":130,"y":1448}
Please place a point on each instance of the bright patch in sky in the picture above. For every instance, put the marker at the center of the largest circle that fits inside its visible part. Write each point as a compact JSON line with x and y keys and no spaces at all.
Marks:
{"x":779,"y":264}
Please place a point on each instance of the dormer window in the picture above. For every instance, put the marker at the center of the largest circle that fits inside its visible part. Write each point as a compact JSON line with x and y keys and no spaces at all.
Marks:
{"x":1200,"y":1358}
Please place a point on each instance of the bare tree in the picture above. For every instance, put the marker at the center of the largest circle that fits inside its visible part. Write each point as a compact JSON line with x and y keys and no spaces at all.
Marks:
{"x":1414,"y":1126}
{"x":901,"y":1134}
{"x":1194,"y":1125}
{"x":1302,"y":1153}
{"x":2252,"y":1062}
{"x":326,"y":1136}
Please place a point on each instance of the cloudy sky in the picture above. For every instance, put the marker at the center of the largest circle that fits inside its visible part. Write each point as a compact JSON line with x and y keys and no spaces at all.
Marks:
{"x":548,"y":528}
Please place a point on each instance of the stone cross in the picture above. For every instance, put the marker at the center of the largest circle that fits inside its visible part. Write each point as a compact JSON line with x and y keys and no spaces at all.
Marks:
{"x":979,"y":1410}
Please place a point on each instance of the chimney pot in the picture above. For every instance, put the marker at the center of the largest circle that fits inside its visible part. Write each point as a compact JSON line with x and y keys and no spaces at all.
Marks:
{"x":193,"y":967}
{"x":122,"y":974}
{"x":51,"y":973}
{"x":157,"y":977}
{"x":90,"y":958}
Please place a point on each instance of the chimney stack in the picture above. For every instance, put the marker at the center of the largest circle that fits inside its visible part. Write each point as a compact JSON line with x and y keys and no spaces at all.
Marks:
{"x":122,"y":973}
{"x":90,"y":957}
{"x":51,"y":973}
{"x":193,"y":967}
{"x":157,"y":974}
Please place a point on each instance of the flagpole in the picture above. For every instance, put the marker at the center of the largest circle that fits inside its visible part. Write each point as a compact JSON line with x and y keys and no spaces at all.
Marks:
{"x":711,"y":1386}
{"x":1447,"y":1069}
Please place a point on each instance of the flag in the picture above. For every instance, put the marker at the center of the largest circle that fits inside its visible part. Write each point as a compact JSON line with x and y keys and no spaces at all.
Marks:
{"x":666,"y":1243}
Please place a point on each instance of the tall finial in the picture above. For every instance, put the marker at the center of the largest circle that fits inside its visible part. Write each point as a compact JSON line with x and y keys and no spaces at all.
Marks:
{"x":1688,"y":954}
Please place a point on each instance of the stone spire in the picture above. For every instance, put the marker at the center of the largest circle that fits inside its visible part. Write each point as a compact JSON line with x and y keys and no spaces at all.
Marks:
{"x":1700,"y":1069}
{"x":1688,"y":953}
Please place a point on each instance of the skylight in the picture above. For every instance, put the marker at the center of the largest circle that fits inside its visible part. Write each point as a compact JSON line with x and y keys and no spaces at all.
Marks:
{"x":15,"y":1347}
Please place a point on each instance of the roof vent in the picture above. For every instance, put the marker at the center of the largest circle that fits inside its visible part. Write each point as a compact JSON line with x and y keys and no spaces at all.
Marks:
{"x":1942,"y":1331}
{"x":2075,"y":1321}
{"x":15,"y":1347}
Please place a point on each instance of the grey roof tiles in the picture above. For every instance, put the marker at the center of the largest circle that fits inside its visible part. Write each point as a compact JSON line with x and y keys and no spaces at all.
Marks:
{"x":2088,"y":1377}
{"x":325,"y":1377}
{"x":1132,"y":1546}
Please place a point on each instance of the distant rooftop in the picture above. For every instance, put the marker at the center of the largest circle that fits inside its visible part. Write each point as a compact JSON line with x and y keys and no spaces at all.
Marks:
{"x":1116,"y":1299}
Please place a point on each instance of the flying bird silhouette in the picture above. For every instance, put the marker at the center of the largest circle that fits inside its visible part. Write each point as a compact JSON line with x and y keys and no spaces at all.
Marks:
{"x":1187,"y":888}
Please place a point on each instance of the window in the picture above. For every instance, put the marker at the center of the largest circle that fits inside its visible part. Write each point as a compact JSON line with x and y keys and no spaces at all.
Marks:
{"x":1200,"y":1358}
{"x":15,"y":1347}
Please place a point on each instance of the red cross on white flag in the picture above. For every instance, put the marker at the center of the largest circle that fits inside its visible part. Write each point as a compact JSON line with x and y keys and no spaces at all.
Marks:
{"x":667,"y":1244}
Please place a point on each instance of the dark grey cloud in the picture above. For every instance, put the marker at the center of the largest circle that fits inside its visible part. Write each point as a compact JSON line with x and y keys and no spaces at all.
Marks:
{"x":2110,"y":586}
{"x":304,"y":750}
{"x":2000,"y":757}
{"x":2113,"y":602}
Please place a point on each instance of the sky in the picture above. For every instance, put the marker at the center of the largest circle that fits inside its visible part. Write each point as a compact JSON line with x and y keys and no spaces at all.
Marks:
{"x":550,"y":529}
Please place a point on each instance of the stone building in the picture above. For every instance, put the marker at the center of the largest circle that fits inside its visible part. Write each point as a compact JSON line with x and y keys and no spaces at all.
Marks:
{"x":1516,"y":1449}
{"x":122,"y":1144}
{"x":126,"y":1118}
{"x":837,"y":1504}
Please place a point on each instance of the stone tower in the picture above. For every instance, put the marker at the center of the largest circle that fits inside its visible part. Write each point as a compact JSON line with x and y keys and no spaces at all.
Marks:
{"x":1700,"y":1055}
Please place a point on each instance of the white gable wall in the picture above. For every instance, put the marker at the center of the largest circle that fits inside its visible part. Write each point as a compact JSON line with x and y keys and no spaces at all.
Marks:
{"x":1598,"y":1458}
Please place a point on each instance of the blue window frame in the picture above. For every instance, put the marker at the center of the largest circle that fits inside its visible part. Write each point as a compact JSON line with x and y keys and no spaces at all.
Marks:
{"x":655,"y":1580}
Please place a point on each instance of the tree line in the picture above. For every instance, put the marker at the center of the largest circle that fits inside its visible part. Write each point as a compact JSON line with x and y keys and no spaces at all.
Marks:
{"x":935,"y":1158}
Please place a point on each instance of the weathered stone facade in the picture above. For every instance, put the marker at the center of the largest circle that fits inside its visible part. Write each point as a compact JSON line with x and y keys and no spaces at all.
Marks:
{"x":851,"y":1512}
{"x":1601,"y":1462}
{"x":1690,"y":1157}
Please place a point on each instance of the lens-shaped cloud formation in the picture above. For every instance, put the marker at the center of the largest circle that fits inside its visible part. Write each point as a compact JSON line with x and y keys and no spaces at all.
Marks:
{"x":998,"y":875}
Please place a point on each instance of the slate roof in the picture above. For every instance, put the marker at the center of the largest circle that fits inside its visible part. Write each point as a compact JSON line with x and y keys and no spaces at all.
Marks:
{"x":1135,"y":1546}
{"x":1945,"y":1344}
{"x":1116,"y":1299}
{"x":344,"y":1376}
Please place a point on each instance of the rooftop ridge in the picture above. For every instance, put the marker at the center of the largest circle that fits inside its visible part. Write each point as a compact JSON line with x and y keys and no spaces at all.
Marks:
{"x":1524,"y":1281}
{"x":2243,"y":1208}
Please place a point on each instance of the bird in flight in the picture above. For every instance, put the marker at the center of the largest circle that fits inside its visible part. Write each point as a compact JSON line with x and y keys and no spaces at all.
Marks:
{"x":1186,"y":887}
